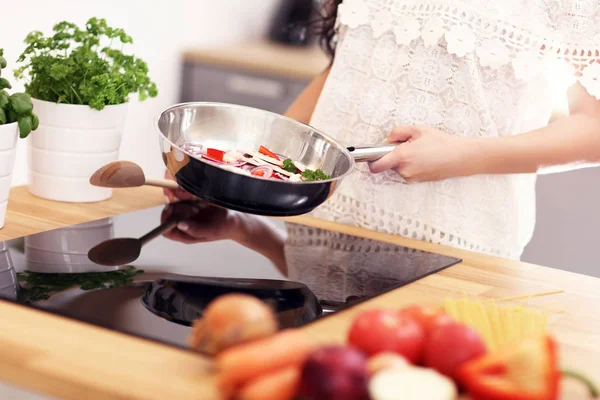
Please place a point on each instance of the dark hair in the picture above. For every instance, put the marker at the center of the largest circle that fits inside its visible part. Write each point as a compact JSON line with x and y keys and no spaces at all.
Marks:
{"x":325,"y":29}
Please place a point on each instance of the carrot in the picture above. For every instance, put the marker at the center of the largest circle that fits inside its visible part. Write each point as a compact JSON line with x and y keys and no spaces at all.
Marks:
{"x":280,"y":385}
{"x":238,"y":365}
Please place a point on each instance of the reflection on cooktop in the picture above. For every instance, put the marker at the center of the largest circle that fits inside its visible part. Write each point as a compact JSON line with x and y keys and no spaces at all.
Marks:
{"x":170,"y":283}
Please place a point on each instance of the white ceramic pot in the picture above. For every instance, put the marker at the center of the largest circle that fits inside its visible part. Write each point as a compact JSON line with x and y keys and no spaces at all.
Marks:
{"x":65,"y":250}
{"x":8,"y":275}
{"x":71,"y":143}
{"x":9,"y":134}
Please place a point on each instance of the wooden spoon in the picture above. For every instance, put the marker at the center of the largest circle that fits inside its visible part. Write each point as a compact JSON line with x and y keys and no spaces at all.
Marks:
{"x":126,"y":174}
{"x":123,"y":251}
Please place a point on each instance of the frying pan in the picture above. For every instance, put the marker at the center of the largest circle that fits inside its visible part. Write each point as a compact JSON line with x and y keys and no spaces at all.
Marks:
{"x":183,"y":299}
{"x":233,"y":127}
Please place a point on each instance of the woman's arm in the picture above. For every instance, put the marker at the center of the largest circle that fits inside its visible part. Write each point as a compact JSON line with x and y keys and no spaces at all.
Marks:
{"x":569,"y":140}
{"x":431,"y":155}
{"x":304,"y":106}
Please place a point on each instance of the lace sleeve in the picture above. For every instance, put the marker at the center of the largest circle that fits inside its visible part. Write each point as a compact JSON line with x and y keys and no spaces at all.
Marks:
{"x":534,"y":36}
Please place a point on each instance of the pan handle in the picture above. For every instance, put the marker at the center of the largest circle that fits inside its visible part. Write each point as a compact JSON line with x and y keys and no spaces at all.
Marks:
{"x":370,"y":153}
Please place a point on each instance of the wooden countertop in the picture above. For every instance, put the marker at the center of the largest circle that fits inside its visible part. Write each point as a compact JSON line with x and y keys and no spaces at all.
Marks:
{"x":72,"y":360}
{"x":264,"y":58}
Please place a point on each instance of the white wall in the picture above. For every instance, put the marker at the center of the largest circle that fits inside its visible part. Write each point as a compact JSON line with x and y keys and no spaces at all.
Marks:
{"x":160,"y":29}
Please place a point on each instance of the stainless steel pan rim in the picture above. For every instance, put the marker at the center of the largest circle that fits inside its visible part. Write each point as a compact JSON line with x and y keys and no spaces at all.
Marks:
{"x":328,"y":138}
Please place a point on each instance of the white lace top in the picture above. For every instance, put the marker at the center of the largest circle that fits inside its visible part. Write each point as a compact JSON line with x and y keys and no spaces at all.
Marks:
{"x":467,"y":67}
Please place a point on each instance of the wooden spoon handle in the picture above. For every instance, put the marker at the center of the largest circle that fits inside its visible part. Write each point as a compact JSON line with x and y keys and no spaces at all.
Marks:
{"x":163,"y":183}
{"x":170,"y":223}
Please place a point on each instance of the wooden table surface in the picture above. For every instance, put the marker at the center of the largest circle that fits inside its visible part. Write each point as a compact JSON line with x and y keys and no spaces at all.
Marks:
{"x":73,"y":360}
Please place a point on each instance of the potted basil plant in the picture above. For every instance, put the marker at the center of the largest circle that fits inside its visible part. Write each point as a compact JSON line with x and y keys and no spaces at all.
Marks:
{"x":80,"y":80}
{"x":16,"y":118}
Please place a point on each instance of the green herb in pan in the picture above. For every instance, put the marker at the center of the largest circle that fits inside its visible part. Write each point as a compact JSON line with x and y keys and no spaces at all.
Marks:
{"x":317,"y":175}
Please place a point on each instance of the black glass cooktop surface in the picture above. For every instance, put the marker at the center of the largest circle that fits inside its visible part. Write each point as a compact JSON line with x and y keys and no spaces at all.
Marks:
{"x":157,"y":296}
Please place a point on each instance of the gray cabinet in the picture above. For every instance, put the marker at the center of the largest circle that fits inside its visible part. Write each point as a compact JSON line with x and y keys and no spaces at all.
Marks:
{"x":203,"y":82}
{"x":568,"y":222}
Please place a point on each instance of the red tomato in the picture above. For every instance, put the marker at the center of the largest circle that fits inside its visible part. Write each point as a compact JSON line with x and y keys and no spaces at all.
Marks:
{"x":258,"y":173}
{"x":450,"y":345}
{"x":215,"y":154}
{"x":379,"y":331}
{"x":426,"y":316}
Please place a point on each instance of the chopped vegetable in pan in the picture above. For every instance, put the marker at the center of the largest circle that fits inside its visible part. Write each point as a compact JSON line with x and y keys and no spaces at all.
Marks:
{"x":263,"y":163}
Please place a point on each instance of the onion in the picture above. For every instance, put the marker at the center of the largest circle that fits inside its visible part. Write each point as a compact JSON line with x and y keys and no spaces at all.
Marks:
{"x":267,"y":171}
{"x":212,"y":160}
{"x":230,"y":320}
{"x":383,"y":361}
{"x":195,"y":149}
{"x":281,"y":176}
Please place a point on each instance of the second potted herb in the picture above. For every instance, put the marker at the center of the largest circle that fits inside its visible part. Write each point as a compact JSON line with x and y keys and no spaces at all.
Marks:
{"x":80,"y":81}
{"x":16,"y":119}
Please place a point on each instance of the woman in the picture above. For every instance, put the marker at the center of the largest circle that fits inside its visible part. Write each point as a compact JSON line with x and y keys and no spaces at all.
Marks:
{"x":462,"y":86}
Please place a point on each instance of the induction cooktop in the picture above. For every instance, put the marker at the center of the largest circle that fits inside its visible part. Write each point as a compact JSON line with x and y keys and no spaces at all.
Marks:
{"x":159,"y":295}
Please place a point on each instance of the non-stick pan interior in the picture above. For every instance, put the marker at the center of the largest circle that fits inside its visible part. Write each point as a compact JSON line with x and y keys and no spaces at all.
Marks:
{"x":230,"y":127}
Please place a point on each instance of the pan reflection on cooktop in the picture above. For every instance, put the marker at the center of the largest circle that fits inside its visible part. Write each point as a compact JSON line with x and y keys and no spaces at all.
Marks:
{"x":167,"y":287}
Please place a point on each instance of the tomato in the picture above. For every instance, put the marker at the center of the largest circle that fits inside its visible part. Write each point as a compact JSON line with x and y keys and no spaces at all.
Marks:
{"x":258,"y":173}
{"x":379,"y":331}
{"x":450,"y":345}
{"x":426,"y":316}
{"x":264,"y":151}
{"x":215,"y":154}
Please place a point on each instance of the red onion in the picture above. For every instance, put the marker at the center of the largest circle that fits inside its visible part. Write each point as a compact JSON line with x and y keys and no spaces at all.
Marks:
{"x":213,"y":160}
{"x":268,"y":171}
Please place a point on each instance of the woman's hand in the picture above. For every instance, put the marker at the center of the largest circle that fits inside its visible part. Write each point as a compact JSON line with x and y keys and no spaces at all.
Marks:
{"x":208,"y":223}
{"x":178,"y":194}
{"x":429,"y":154}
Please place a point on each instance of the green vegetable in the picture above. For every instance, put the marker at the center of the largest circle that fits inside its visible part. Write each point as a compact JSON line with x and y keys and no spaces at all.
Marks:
{"x":4,"y":84}
{"x":40,"y":286}
{"x":317,"y":175}
{"x":73,"y":67}
{"x":25,"y":125}
{"x":35,"y":122}
{"x":16,"y":108}
{"x":21,"y":103}
{"x":289,"y":166}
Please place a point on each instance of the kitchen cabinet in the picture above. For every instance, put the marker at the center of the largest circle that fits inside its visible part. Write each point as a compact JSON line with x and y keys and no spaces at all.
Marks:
{"x":568,"y":221}
{"x":262,"y":75}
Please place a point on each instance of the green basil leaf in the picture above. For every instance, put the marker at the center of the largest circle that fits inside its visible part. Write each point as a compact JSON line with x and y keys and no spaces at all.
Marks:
{"x":2,"y":117}
{"x":12,"y":116}
{"x":3,"y":62}
{"x":35,"y":122}
{"x":3,"y":99}
{"x":21,"y":103}
{"x":25,"y":124}
{"x":4,"y":84}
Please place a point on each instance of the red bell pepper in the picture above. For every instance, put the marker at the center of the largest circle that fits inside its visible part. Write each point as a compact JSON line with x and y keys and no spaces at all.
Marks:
{"x":215,"y":154}
{"x":527,"y":371}
{"x":264,"y":151}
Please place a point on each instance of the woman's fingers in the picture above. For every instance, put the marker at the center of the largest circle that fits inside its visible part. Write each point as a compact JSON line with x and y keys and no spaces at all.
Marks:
{"x":403,"y":134}
{"x":389,"y":161}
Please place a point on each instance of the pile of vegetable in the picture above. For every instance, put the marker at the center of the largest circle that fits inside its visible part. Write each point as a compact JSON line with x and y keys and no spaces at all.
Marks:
{"x":38,"y":286}
{"x":261,"y":164}
{"x":16,"y":107}
{"x":83,"y":66}
{"x":413,"y":353}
